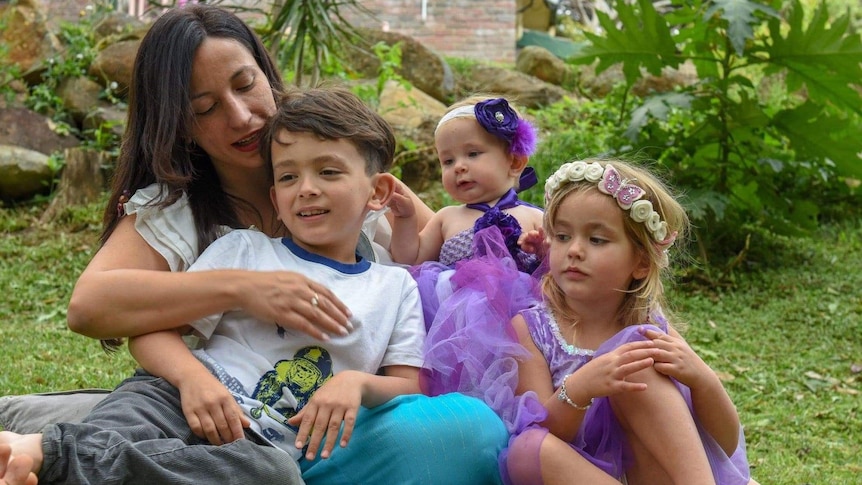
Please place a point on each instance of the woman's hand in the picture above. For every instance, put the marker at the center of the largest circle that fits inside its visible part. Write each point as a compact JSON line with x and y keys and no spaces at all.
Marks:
{"x":291,"y":300}
{"x":211,"y":410}
{"x":336,"y":402}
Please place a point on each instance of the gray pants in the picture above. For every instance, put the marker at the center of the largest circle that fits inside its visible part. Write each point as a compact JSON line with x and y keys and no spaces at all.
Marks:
{"x":139,"y":435}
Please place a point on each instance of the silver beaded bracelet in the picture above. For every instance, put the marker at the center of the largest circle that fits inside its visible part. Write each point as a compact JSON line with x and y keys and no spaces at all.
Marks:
{"x":562,"y":396}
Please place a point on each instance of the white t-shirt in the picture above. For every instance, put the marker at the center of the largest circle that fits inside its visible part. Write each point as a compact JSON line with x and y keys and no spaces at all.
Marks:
{"x":271,"y":370}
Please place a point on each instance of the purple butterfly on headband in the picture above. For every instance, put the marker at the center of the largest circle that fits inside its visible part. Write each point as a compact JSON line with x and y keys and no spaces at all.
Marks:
{"x":612,"y":183}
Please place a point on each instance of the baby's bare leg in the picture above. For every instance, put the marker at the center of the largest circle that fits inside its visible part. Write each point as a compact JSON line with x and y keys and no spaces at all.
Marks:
{"x":20,"y":458}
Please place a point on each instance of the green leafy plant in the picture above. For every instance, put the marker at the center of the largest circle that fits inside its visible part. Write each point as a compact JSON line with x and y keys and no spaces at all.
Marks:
{"x":770,"y":128}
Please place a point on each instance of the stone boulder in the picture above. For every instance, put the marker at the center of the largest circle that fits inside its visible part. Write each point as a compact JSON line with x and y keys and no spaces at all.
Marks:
{"x":541,"y":63}
{"x":28,"y":37}
{"x":424,"y":68}
{"x":115,"y":64}
{"x":27,"y":129}
{"x":522,"y":89}
{"x":413,"y":116}
{"x":23,"y":173}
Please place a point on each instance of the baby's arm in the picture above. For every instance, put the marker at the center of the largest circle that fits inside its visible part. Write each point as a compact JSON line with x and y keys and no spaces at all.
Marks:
{"x":710,"y":400}
{"x":338,"y":401}
{"x":209,"y":408}
{"x":409,"y":246}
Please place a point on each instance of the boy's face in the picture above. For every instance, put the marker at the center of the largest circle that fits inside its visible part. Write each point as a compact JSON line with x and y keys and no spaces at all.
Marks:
{"x":322,"y":193}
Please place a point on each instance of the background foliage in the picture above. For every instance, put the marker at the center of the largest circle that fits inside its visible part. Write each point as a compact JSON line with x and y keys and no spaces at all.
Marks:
{"x":769,"y":132}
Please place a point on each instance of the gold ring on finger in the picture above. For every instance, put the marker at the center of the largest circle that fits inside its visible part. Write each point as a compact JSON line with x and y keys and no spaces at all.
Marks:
{"x":315,"y":301}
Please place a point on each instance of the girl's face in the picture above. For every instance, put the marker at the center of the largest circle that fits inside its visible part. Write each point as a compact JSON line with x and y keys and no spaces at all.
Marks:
{"x":475,"y":164}
{"x":592,"y":258}
{"x":232,"y":100}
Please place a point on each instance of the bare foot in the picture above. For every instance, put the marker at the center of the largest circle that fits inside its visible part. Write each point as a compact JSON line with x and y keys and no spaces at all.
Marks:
{"x":20,"y":458}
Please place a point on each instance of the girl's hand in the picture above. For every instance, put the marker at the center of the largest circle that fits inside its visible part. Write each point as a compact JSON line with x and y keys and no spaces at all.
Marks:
{"x":211,"y":410}
{"x":606,"y":374}
{"x":290,"y":300}
{"x":401,"y":204}
{"x":534,"y":242}
{"x":336,"y":402}
{"x":675,"y":358}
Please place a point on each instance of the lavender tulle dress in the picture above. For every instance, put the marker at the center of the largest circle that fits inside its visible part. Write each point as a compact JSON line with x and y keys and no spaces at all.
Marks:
{"x":469,"y":298}
{"x":600,"y":439}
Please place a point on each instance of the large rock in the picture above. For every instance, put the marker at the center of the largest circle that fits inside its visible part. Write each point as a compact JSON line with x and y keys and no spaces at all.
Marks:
{"x":80,"y":95}
{"x":413,"y":116}
{"x":520,"y":88}
{"x":543,"y":64}
{"x":23,"y":173}
{"x":115,"y":64}
{"x":28,"y":129}
{"x":27,"y":36}
{"x":424,"y":68}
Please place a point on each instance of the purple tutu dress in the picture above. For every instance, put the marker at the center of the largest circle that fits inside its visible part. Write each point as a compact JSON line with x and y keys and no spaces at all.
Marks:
{"x":469,"y":299}
{"x":601,"y":439}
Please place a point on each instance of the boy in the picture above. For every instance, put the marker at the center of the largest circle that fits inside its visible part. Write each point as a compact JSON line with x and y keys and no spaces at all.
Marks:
{"x":329,"y":154}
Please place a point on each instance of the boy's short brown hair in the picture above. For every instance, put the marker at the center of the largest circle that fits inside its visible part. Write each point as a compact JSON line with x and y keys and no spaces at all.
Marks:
{"x":333,"y":113}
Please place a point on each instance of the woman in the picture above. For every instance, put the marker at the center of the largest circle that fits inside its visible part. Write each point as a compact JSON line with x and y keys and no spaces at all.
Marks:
{"x":190,"y":170}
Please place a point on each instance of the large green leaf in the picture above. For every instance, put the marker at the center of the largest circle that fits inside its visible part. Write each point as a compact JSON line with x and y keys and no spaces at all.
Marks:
{"x":815,"y":133}
{"x":740,"y":16}
{"x":825,"y":57}
{"x":642,"y":40}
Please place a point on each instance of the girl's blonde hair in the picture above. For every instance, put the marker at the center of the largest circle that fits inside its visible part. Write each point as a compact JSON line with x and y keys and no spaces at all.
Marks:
{"x":645,"y":297}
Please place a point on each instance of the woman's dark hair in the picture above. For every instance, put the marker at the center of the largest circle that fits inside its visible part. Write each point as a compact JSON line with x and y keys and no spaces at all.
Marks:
{"x":157,"y":143}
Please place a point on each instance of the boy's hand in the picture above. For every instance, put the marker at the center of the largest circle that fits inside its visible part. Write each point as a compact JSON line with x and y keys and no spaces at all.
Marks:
{"x":675,"y":358}
{"x":337,"y":401}
{"x":211,"y":410}
{"x":401,"y":204}
{"x":534,"y":242}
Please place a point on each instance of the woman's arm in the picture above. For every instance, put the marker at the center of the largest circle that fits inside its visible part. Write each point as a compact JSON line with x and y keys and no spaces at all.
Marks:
{"x":127,"y":289}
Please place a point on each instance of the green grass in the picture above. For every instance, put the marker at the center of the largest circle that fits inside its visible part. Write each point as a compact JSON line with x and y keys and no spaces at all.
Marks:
{"x":787,"y":338}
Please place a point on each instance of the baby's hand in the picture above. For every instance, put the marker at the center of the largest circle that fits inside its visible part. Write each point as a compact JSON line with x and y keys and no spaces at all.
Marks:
{"x":675,"y":358}
{"x":533,"y":241}
{"x":337,"y":401}
{"x":401,"y":204}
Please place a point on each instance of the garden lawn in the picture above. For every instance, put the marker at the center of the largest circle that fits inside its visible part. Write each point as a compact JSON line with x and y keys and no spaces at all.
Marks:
{"x":786,"y":339}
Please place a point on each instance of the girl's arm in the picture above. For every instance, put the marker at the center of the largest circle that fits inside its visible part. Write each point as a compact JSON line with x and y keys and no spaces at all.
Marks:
{"x":210,"y":409}
{"x":127,"y":289}
{"x":338,"y":401}
{"x":710,"y":400}
{"x":603,"y":376}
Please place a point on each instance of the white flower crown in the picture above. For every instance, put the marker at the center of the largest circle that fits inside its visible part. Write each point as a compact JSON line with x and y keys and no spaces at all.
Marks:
{"x":627,"y":195}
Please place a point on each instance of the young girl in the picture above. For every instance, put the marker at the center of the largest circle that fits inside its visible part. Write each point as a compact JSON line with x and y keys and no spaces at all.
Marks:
{"x":602,"y":353}
{"x":473,"y":277}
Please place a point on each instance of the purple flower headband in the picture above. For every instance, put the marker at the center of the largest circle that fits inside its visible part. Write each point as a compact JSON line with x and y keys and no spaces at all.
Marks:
{"x":627,"y":195}
{"x":499,"y":119}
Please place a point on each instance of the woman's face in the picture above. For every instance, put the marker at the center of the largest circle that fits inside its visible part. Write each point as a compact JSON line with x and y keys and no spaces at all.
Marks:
{"x":231,"y":99}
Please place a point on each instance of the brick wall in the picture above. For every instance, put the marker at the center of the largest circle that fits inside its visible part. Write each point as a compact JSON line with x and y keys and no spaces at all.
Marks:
{"x":474,"y":29}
